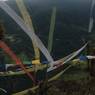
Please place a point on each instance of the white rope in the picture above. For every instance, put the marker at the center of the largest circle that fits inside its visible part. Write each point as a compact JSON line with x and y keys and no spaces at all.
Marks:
{"x":90,"y":57}
{"x":68,"y":58}
{"x":26,"y":29}
{"x":76,"y":53}
{"x":3,"y":90}
{"x":33,"y":37}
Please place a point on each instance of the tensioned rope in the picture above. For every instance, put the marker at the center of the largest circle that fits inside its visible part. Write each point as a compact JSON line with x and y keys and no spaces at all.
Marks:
{"x":67,"y":58}
{"x":28,"y":21}
{"x":15,"y":58}
{"x":27,"y":30}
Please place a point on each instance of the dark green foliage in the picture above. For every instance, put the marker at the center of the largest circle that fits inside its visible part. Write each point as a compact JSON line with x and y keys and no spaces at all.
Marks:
{"x":70,"y":29}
